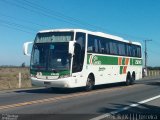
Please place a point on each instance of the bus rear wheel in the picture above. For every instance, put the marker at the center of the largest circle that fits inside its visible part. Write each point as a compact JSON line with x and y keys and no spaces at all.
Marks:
{"x":90,"y":83}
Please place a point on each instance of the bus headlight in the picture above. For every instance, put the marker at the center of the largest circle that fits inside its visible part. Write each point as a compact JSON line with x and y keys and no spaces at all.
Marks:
{"x":32,"y":75}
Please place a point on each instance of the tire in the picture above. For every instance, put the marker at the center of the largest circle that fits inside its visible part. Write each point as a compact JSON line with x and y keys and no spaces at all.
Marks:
{"x":133,"y":80}
{"x":128,"y":80}
{"x":90,"y":83}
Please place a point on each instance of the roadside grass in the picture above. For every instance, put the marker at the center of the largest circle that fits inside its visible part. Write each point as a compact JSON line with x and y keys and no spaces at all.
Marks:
{"x":9,"y":77}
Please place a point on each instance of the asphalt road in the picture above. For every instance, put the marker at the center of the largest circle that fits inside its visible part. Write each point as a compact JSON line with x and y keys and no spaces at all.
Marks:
{"x":113,"y":101}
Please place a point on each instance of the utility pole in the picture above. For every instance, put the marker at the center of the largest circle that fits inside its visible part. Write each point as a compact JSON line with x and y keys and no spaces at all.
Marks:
{"x":145,"y":52}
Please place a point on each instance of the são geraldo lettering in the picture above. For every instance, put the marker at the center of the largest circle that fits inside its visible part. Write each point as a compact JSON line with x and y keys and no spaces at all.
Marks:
{"x":138,"y":62}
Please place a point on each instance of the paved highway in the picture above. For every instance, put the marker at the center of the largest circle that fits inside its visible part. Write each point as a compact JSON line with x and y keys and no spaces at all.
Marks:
{"x":113,"y":101}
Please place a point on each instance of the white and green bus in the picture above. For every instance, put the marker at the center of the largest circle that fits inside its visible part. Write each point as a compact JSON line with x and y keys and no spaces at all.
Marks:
{"x":69,"y":58}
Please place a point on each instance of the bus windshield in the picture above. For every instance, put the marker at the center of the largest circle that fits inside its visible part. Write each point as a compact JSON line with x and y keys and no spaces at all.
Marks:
{"x":50,"y":56}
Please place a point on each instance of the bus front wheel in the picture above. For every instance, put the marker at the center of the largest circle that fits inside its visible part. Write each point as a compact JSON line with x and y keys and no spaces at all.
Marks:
{"x":90,"y":83}
{"x":128,"y":79}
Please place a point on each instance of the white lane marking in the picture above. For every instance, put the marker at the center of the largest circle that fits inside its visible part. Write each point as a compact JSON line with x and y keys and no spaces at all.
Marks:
{"x":125,"y":108}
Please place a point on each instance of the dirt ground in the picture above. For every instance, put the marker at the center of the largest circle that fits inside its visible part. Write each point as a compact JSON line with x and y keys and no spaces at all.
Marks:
{"x":9,"y":77}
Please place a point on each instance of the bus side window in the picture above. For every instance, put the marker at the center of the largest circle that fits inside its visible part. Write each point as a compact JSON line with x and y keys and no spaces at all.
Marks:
{"x":90,"y":47}
{"x":100,"y":48}
{"x":107,"y":47}
{"x":129,"y":50}
{"x":96,"y":45}
{"x":113,"y":48}
{"x":138,"y":51}
{"x":121,"y":49}
{"x":92,"y":44}
{"x":102,"y":45}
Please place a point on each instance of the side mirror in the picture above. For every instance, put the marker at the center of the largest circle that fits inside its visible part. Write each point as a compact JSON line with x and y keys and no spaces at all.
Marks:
{"x":25,"y":48}
{"x":71,"y":47}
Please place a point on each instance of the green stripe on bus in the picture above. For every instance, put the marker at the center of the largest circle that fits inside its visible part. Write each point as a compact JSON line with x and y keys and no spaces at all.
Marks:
{"x":131,"y":60}
{"x":137,"y":62}
{"x":88,"y":59}
{"x":110,"y":60}
{"x":102,"y":60}
{"x":123,"y":61}
{"x":121,"y":69}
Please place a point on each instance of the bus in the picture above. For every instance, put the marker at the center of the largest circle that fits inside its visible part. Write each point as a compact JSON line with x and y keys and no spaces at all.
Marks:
{"x":69,"y":58}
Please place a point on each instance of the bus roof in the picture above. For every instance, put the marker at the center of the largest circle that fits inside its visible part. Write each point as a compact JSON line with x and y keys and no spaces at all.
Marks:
{"x":100,"y":34}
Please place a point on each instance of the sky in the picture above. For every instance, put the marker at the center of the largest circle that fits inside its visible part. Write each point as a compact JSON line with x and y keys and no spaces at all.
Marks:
{"x":135,"y":20}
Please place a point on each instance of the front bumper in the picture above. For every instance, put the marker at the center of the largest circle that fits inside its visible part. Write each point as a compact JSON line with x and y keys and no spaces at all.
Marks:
{"x":60,"y":83}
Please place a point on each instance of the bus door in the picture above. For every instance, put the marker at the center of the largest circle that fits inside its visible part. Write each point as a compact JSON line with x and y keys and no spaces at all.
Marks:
{"x":78,"y":57}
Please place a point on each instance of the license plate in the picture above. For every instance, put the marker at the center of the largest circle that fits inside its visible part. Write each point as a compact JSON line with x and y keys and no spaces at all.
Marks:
{"x":47,"y":83}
